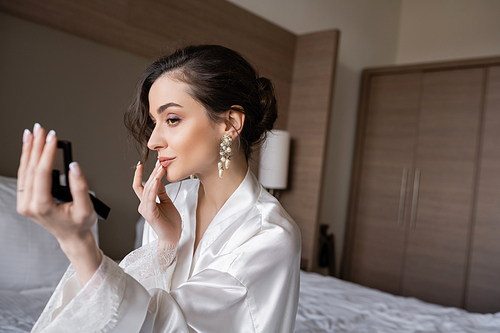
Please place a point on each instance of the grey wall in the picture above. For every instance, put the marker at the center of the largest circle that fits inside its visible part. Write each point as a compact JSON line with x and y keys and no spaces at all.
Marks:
{"x":80,"y":89}
{"x":433,"y":30}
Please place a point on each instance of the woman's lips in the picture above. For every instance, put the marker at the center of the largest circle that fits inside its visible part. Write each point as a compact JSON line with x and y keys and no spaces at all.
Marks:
{"x":165,"y":161}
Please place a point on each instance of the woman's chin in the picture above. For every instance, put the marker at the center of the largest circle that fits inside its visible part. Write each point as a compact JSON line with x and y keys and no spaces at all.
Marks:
{"x":174,"y":177}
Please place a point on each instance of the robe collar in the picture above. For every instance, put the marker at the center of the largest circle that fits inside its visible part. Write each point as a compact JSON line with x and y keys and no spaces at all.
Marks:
{"x":242,"y":199}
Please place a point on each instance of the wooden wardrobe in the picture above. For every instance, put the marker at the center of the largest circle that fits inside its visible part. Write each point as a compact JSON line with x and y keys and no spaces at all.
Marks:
{"x":424,"y":217}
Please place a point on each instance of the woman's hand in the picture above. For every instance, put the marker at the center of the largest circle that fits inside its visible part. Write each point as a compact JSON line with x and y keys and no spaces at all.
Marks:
{"x":163,"y":216}
{"x":70,"y":222}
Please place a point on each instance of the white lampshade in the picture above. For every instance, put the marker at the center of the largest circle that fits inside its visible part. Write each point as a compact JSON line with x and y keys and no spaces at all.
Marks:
{"x":274,"y":155}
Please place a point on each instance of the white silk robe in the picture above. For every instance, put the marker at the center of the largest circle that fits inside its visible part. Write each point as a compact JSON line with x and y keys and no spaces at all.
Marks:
{"x":243,"y":277}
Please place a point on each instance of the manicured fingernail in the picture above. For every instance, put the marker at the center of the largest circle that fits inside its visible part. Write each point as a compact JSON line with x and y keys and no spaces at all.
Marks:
{"x":75,"y":168}
{"x":50,"y":136}
{"x":36,"y":128}
{"x":157,"y":162}
{"x":158,"y":174}
{"x":26,"y":135}
{"x":138,"y":163}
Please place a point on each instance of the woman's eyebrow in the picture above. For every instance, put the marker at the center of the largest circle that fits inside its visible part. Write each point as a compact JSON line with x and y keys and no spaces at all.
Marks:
{"x":166,"y":106}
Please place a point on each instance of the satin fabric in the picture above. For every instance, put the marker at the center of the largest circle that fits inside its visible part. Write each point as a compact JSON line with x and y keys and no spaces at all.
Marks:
{"x":243,"y":277}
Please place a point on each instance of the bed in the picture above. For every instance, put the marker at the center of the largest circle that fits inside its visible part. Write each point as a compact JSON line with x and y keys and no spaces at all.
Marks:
{"x":31,"y":264}
{"x":327,"y":304}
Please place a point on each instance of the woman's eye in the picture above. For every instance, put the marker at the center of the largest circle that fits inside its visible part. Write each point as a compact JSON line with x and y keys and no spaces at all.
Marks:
{"x":173,"y":121}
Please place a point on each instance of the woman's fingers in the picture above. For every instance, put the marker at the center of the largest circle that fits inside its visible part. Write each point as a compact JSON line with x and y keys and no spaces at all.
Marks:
{"x":34,"y":157}
{"x":148,"y":199}
{"x":23,"y":164}
{"x":25,"y":155}
{"x":160,"y":191}
{"x":149,"y":193}
{"x":137,"y":185}
{"x":137,"y":182}
{"x":35,"y":181}
{"x":42,"y":184}
{"x":82,"y":205}
{"x":153,"y":173}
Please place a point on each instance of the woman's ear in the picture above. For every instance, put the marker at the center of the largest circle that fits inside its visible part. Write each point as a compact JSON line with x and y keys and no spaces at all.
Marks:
{"x":235,"y":120}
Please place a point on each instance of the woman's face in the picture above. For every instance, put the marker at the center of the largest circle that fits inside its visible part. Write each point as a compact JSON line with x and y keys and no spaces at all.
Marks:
{"x":186,"y":140}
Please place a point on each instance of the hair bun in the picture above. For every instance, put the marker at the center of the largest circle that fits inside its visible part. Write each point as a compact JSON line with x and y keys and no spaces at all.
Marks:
{"x":220,"y":79}
{"x":267,"y":103}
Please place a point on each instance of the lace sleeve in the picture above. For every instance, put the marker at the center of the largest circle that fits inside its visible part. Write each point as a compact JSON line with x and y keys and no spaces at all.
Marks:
{"x":95,"y":306}
{"x":151,"y":266}
{"x":72,"y":305}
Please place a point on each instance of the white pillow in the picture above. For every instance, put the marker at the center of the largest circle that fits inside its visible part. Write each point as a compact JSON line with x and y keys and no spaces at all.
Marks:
{"x":30,"y":257}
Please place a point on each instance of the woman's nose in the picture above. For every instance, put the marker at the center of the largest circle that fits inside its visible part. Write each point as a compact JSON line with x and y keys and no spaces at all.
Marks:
{"x":156,"y":140}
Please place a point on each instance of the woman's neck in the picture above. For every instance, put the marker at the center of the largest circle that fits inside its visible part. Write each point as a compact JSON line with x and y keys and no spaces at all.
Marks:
{"x":214,"y":191}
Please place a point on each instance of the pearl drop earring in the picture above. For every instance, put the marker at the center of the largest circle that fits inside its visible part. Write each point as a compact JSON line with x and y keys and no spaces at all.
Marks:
{"x":225,"y":152}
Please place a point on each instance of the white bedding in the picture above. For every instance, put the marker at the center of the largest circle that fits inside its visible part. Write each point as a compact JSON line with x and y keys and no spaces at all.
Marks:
{"x":19,"y":310}
{"x":327,"y":304}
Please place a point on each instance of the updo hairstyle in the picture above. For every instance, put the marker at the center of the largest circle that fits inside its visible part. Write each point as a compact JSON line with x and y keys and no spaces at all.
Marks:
{"x":219,"y":79}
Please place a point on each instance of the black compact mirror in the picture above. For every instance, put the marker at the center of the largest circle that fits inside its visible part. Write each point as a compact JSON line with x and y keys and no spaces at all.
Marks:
{"x":60,"y":180}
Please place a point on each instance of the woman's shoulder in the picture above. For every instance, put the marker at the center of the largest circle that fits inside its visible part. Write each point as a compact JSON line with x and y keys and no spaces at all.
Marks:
{"x":272,"y":243}
{"x":273,"y":213}
{"x":266,"y":226}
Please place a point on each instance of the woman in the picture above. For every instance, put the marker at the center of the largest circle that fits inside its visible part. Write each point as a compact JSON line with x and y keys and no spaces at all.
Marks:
{"x":219,"y":253}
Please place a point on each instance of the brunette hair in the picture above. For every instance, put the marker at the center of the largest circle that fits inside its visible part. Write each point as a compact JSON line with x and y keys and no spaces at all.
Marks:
{"x":221,"y":80}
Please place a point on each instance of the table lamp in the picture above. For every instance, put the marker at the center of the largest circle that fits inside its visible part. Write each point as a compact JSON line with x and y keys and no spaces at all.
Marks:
{"x":274,"y":160}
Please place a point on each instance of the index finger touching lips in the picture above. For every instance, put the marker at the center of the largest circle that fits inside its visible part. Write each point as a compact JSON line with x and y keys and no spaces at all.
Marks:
{"x":137,"y":182}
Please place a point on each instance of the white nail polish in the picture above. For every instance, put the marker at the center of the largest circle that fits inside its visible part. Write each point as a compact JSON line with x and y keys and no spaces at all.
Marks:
{"x":157,"y":162}
{"x":26,"y":135}
{"x":75,"y":168}
{"x":36,"y":128}
{"x":50,"y":136}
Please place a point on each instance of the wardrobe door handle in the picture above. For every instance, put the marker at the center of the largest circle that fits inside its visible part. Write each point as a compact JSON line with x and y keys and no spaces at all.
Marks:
{"x":416,"y":186}
{"x":402,"y":196}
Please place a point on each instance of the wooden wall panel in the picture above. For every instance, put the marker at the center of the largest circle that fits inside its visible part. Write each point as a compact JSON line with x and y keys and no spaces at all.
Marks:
{"x":308,"y":121}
